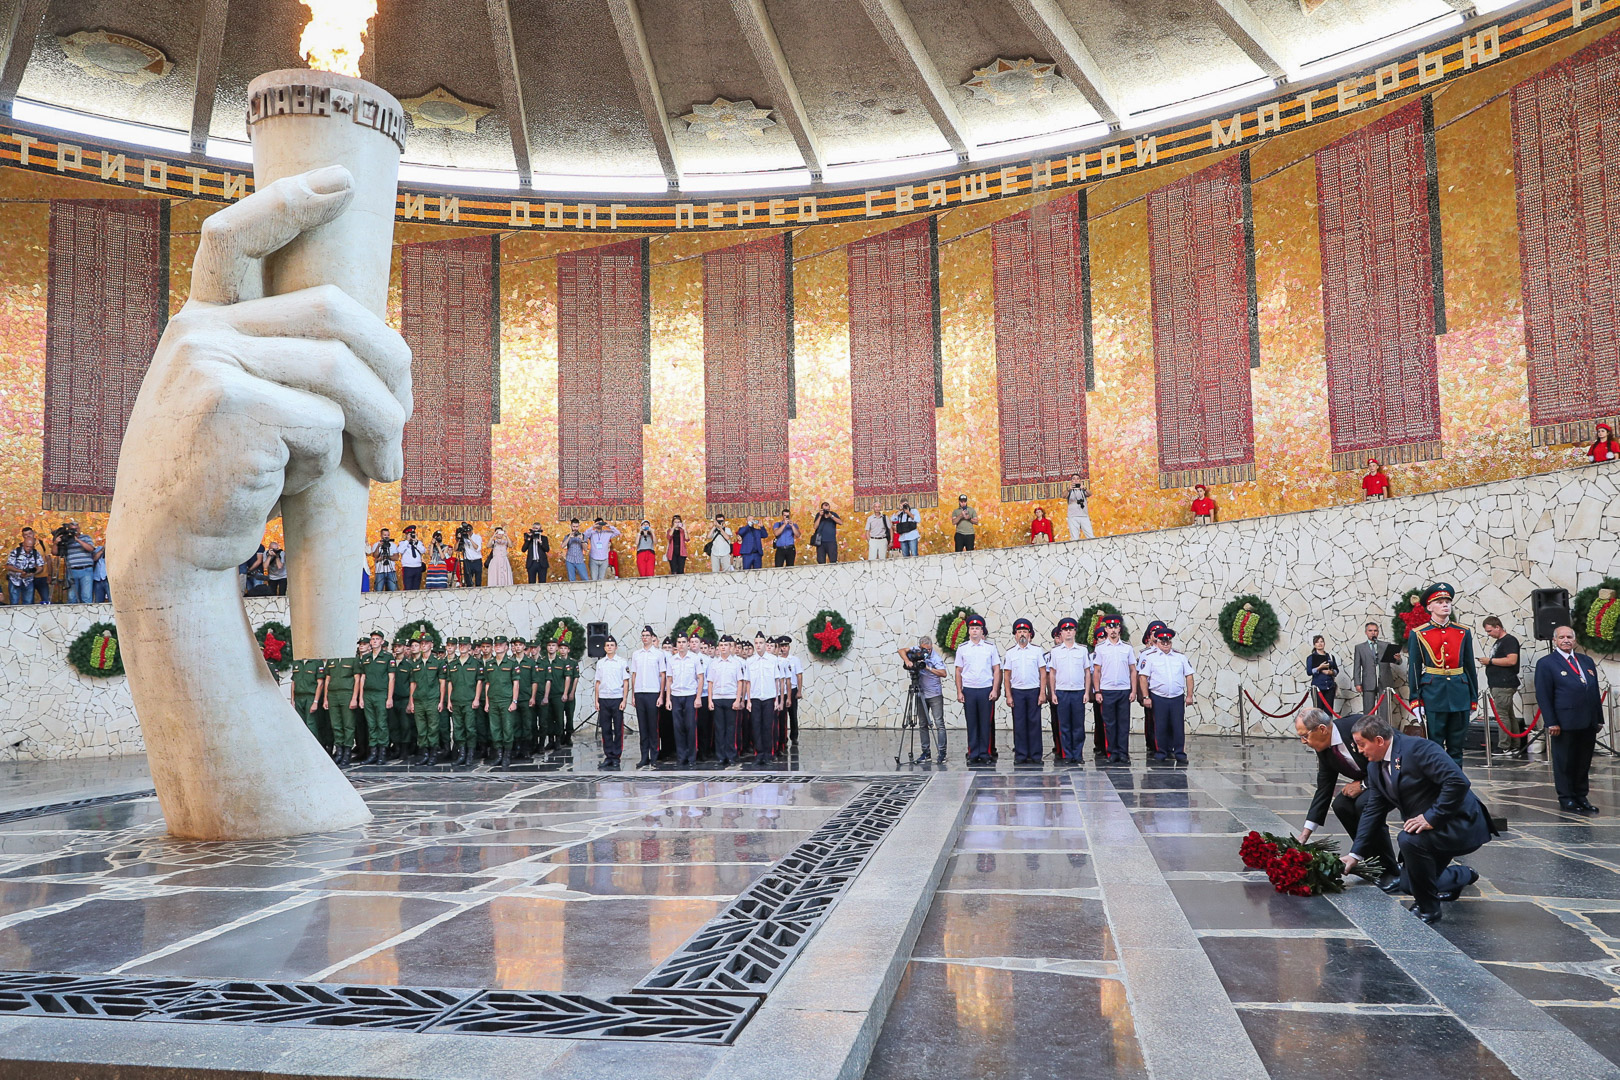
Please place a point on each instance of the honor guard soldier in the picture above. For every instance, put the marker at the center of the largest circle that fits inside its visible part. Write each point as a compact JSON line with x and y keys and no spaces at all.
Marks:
{"x":484,"y":650}
{"x":500,"y":697}
{"x":377,"y":693}
{"x":1023,"y":682}
{"x":342,"y":673}
{"x":308,"y":680}
{"x":978,"y":676}
{"x":402,"y":733}
{"x":461,"y":677}
{"x":1440,"y":671}
{"x":427,"y":701}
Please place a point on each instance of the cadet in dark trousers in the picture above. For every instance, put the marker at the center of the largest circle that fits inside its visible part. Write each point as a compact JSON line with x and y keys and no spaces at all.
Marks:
{"x":308,"y":679}
{"x":612,"y":685}
{"x":722,"y":681}
{"x":1068,"y":678}
{"x":762,"y":685}
{"x":1440,"y":671}
{"x":338,"y":693}
{"x":1167,"y":678}
{"x":647,"y":666}
{"x":978,"y":677}
{"x":1023,"y":682}
{"x":1572,"y":708}
{"x":570,"y":692}
{"x":1113,"y":665}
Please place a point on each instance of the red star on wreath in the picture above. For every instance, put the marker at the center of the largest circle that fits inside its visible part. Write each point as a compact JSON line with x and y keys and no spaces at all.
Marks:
{"x":1416,"y":617}
{"x":830,"y":636}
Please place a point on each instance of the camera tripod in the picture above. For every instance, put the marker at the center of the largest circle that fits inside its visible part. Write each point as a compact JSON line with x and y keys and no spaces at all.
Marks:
{"x":914,"y":714}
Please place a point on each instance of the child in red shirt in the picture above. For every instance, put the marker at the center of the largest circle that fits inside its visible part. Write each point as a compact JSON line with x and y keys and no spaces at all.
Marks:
{"x":1203,"y":507}
{"x":1375,"y":485}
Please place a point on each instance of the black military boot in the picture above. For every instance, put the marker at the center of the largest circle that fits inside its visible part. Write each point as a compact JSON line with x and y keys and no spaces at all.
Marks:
{"x":377,"y":756}
{"x":464,"y":759}
{"x":446,"y":754}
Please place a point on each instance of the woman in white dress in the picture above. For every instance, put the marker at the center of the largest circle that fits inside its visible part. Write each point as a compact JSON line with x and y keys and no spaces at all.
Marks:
{"x":500,"y":561}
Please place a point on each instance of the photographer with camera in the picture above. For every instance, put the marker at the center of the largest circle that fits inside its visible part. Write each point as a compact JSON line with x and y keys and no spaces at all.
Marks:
{"x":470,"y":546}
{"x":383,"y":576}
{"x":24,"y":562}
{"x":536,"y":553}
{"x":274,"y":565}
{"x":927,"y":668}
{"x":78,"y":554}
{"x":905,"y":527}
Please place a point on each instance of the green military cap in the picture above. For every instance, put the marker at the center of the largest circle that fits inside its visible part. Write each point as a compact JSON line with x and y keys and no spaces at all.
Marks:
{"x":363,"y":641}
{"x":499,"y":640}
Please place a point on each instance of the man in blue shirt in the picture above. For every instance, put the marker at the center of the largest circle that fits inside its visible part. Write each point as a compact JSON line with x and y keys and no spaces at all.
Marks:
{"x":787,"y":539}
{"x":752,"y":536}
{"x":79,"y":552}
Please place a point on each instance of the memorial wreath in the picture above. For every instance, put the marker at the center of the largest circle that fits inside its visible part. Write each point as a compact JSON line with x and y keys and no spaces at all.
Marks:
{"x":564,"y":631}
{"x":1596,"y":616}
{"x":696,"y":625}
{"x":275,"y":644}
{"x":952,"y":629}
{"x":1248,"y":626}
{"x":95,"y":652}
{"x":421,"y":628}
{"x":1092,"y":617}
{"x":829,"y":635}
{"x":1409,"y":613}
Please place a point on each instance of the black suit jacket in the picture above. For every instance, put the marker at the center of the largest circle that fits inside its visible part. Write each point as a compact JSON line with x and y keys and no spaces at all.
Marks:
{"x":1565,"y":701}
{"x":1424,"y":780}
{"x":1330,"y":766}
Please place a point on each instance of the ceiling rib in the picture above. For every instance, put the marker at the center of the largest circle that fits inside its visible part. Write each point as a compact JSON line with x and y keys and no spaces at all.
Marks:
{"x":517,"y":118}
{"x":633,"y":39}
{"x":761,"y":37}
{"x":894,"y":26}
{"x":210,"y":43}
{"x":1239,"y":22}
{"x":19,"y":48}
{"x":1059,"y":38}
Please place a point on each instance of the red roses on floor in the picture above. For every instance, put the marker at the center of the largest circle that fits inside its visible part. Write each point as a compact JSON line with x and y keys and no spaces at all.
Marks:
{"x":1297,"y":869}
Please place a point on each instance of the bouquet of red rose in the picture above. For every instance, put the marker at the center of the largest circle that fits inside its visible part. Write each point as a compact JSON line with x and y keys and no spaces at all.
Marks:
{"x":1301,"y":869}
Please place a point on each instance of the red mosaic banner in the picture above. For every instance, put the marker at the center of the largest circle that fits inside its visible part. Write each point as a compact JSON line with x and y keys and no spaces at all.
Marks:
{"x":106,"y":306}
{"x":1380,"y":286}
{"x":1200,"y":239}
{"x":895,"y":376}
{"x":449,"y":314}
{"x":748,"y":375}
{"x":1567,"y":180}
{"x":604,"y":380}
{"x":1041,"y":317}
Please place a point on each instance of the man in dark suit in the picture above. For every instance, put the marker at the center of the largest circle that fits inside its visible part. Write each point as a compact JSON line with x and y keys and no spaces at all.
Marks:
{"x":1572,"y":708}
{"x":1441,"y":817}
{"x":1336,"y":756}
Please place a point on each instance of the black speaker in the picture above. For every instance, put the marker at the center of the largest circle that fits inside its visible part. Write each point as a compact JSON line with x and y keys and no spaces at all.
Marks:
{"x":596,"y":639}
{"x":1549,"y":608}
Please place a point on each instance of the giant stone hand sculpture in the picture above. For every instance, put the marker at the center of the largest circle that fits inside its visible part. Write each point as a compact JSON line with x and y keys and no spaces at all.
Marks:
{"x":253,"y":403}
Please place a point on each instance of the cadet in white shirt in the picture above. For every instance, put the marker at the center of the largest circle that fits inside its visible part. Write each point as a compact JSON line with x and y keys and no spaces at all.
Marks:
{"x":978,"y":674}
{"x":1169,"y":678}
{"x":724,"y":674}
{"x":763,"y":674}
{"x":647,"y":667}
{"x":1068,"y":677}
{"x":704,"y":651}
{"x":1113,"y":664}
{"x":1023,"y":682}
{"x":612,"y":684}
{"x":683,"y":682}
{"x":795,"y":677}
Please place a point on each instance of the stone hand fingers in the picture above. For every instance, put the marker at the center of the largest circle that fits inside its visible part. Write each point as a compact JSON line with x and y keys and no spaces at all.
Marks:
{"x":227,"y":268}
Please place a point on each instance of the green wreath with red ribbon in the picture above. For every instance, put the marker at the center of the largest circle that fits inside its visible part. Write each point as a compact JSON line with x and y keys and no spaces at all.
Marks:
{"x":275,"y":645}
{"x":95,"y":654}
{"x":421,"y":628}
{"x":1409,"y":613}
{"x":564,"y":631}
{"x":829,"y":635}
{"x":1248,"y":626}
{"x":1597,"y":617}
{"x":1092,"y":617}
{"x":952,"y":629}
{"x":696,"y":625}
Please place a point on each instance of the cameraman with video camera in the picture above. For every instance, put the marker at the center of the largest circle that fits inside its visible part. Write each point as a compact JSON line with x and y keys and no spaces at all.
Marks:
{"x":470,"y":546}
{"x":78,"y":554}
{"x":926,"y":659}
{"x":383,"y":576}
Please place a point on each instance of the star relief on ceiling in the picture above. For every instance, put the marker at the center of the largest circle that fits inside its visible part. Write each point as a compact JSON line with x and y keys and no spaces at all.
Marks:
{"x":1013,"y":82}
{"x":439,"y":108}
{"x":727,"y":120}
{"x":115,"y":57}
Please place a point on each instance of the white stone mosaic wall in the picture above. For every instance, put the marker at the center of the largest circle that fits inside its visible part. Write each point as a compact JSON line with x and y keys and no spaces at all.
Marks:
{"x":1324,"y":571}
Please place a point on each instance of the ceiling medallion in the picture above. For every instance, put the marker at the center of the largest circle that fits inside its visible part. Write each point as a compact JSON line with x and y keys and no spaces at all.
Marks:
{"x":439,"y":108}
{"x":727,"y":120}
{"x":115,"y":57}
{"x":1013,"y":82}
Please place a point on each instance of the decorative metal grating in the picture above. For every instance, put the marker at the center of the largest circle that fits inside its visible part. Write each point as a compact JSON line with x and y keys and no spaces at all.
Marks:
{"x":76,"y":804}
{"x":705,"y":992}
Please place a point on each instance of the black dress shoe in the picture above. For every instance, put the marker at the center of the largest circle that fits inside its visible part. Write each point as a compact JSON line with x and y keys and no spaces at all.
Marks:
{"x":1431,"y":917}
{"x":1390,"y":883}
{"x":1587,"y":808}
{"x":1571,"y":806}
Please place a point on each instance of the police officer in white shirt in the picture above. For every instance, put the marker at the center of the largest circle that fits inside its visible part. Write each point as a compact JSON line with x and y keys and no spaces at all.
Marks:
{"x":795,"y":688}
{"x":683,"y":682}
{"x":1113,"y":666}
{"x":723,"y":677}
{"x":1169,"y":678}
{"x":612,"y":684}
{"x":978,"y":675}
{"x":1023,"y":682}
{"x":647,"y":667}
{"x":1068,"y":678}
{"x":762,"y":676}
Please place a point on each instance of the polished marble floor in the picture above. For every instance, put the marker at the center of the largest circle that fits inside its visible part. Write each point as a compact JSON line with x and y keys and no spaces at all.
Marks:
{"x":1088,"y":923}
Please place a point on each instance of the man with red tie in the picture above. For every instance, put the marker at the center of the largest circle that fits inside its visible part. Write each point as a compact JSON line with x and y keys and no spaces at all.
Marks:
{"x":1440,"y":671}
{"x":1572,"y":708}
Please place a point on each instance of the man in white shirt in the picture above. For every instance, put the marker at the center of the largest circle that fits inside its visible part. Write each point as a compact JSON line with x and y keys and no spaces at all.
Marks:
{"x":724,"y":675}
{"x":1113,"y":666}
{"x":978,"y":674}
{"x":472,"y":556}
{"x":877,"y":535}
{"x":600,"y":538}
{"x":1079,"y":516}
{"x":704,"y":651}
{"x":1169,"y":678}
{"x":762,"y":675}
{"x":1068,"y":678}
{"x":612,"y":684}
{"x":1023,"y":682}
{"x":683,"y":682}
{"x":794,"y":668}
{"x":410,"y":559}
{"x":647,"y":667}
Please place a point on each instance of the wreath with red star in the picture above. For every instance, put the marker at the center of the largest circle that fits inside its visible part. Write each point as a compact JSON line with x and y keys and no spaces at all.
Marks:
{"x":1409,"y":614}
{"x":829,"y":635}
{"x":275,"y":645}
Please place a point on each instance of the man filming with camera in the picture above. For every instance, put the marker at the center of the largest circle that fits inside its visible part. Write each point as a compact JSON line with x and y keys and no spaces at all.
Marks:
{"x":383,"y":576}
{"x":78,"y":554}
{"x":926,"y":660}
{"x":470,"y":547}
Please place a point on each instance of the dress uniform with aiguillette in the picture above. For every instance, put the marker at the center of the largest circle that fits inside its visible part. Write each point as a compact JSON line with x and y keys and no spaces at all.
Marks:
{"x":1440,"y":674}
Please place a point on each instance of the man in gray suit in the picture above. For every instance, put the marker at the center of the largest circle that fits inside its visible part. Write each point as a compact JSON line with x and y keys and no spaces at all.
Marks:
{"x":1370,"y":674}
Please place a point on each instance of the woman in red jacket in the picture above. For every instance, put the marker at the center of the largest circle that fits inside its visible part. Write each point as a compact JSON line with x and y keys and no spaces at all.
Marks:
{"x":1605,"y":447}
{"x":1040,"y":528}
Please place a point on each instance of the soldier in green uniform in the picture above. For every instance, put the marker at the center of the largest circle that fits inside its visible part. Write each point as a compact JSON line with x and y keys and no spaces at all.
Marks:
{"x":523,"y":743}
{"x":308,"y":680}
{"x":484,"y":650}
{"x":401,"y":730}
{"x":548,"y":714}
{"x":342,"y":675}
{"x":500,"y":698}
{"x":377,"y":693}
{"x":570,"y":683}
{"x":426,"y":696}
{"x":1440,"y":671}
{"x":461,"y":680}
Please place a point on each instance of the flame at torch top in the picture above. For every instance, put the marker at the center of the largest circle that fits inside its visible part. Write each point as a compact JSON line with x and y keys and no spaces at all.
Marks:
{"x":335,"y":37}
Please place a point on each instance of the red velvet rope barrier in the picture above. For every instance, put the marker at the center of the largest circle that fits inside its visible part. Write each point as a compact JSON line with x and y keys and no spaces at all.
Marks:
{"x":1278,"y":715}
{"x":1322,"y":701}
{"x":1525,"y":734}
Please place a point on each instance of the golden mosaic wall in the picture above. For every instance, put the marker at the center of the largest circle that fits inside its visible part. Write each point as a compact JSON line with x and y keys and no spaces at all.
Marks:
{"x":1483,"y":391}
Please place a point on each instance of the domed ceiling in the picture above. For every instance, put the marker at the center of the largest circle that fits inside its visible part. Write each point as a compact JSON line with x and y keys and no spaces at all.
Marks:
{"x":698,"y":94}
